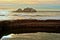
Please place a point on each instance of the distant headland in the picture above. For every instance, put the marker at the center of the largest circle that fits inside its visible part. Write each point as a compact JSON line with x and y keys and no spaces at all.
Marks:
{"x":26,"y":10}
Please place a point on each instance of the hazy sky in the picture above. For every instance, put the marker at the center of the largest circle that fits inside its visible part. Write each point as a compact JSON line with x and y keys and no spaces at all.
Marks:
{"x":45,"y":4}
{"x":31,"y":1}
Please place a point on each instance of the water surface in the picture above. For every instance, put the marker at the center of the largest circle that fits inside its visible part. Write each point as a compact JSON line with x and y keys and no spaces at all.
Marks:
{"x":8,"y":15}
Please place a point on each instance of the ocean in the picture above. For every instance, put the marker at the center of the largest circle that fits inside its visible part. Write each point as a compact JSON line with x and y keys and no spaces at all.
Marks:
{"x":43,"y":15}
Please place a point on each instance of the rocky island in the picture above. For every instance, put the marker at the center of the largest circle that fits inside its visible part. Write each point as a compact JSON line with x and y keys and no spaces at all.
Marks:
{"x":29,"y":10}
{"x":18,"y":10}
{"x":25,"y":10}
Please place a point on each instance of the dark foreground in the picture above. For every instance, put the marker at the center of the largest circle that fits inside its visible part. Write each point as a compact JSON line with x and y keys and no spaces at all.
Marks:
{"x":29,"y":26}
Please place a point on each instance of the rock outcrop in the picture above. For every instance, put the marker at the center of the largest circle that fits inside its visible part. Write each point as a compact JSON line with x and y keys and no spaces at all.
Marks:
{"x":29,"y":10}
{"x":25,"y":10}
{"x":28,"y":26}
{"x":18,"y":10}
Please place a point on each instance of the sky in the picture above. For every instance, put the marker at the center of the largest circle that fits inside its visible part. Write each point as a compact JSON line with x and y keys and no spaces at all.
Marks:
{"x":38,"y":4}
{"x":31,"y":1}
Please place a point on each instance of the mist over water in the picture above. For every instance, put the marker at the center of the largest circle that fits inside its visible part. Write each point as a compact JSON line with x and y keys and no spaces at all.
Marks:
{"x":8,"y":15}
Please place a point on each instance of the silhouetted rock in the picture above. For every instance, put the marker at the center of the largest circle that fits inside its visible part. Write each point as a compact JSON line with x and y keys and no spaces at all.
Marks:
{"x":25,"y":10}
{"x":18,"y":10}
{"x":29,"y":10}
{"x":28,"y":26}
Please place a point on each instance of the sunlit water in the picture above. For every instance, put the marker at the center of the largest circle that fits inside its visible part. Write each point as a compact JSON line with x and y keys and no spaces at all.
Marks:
{"x":8,"y":15}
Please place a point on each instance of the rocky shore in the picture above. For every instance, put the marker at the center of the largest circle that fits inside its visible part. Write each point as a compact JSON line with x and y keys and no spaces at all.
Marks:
{"x":27,"y":26}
